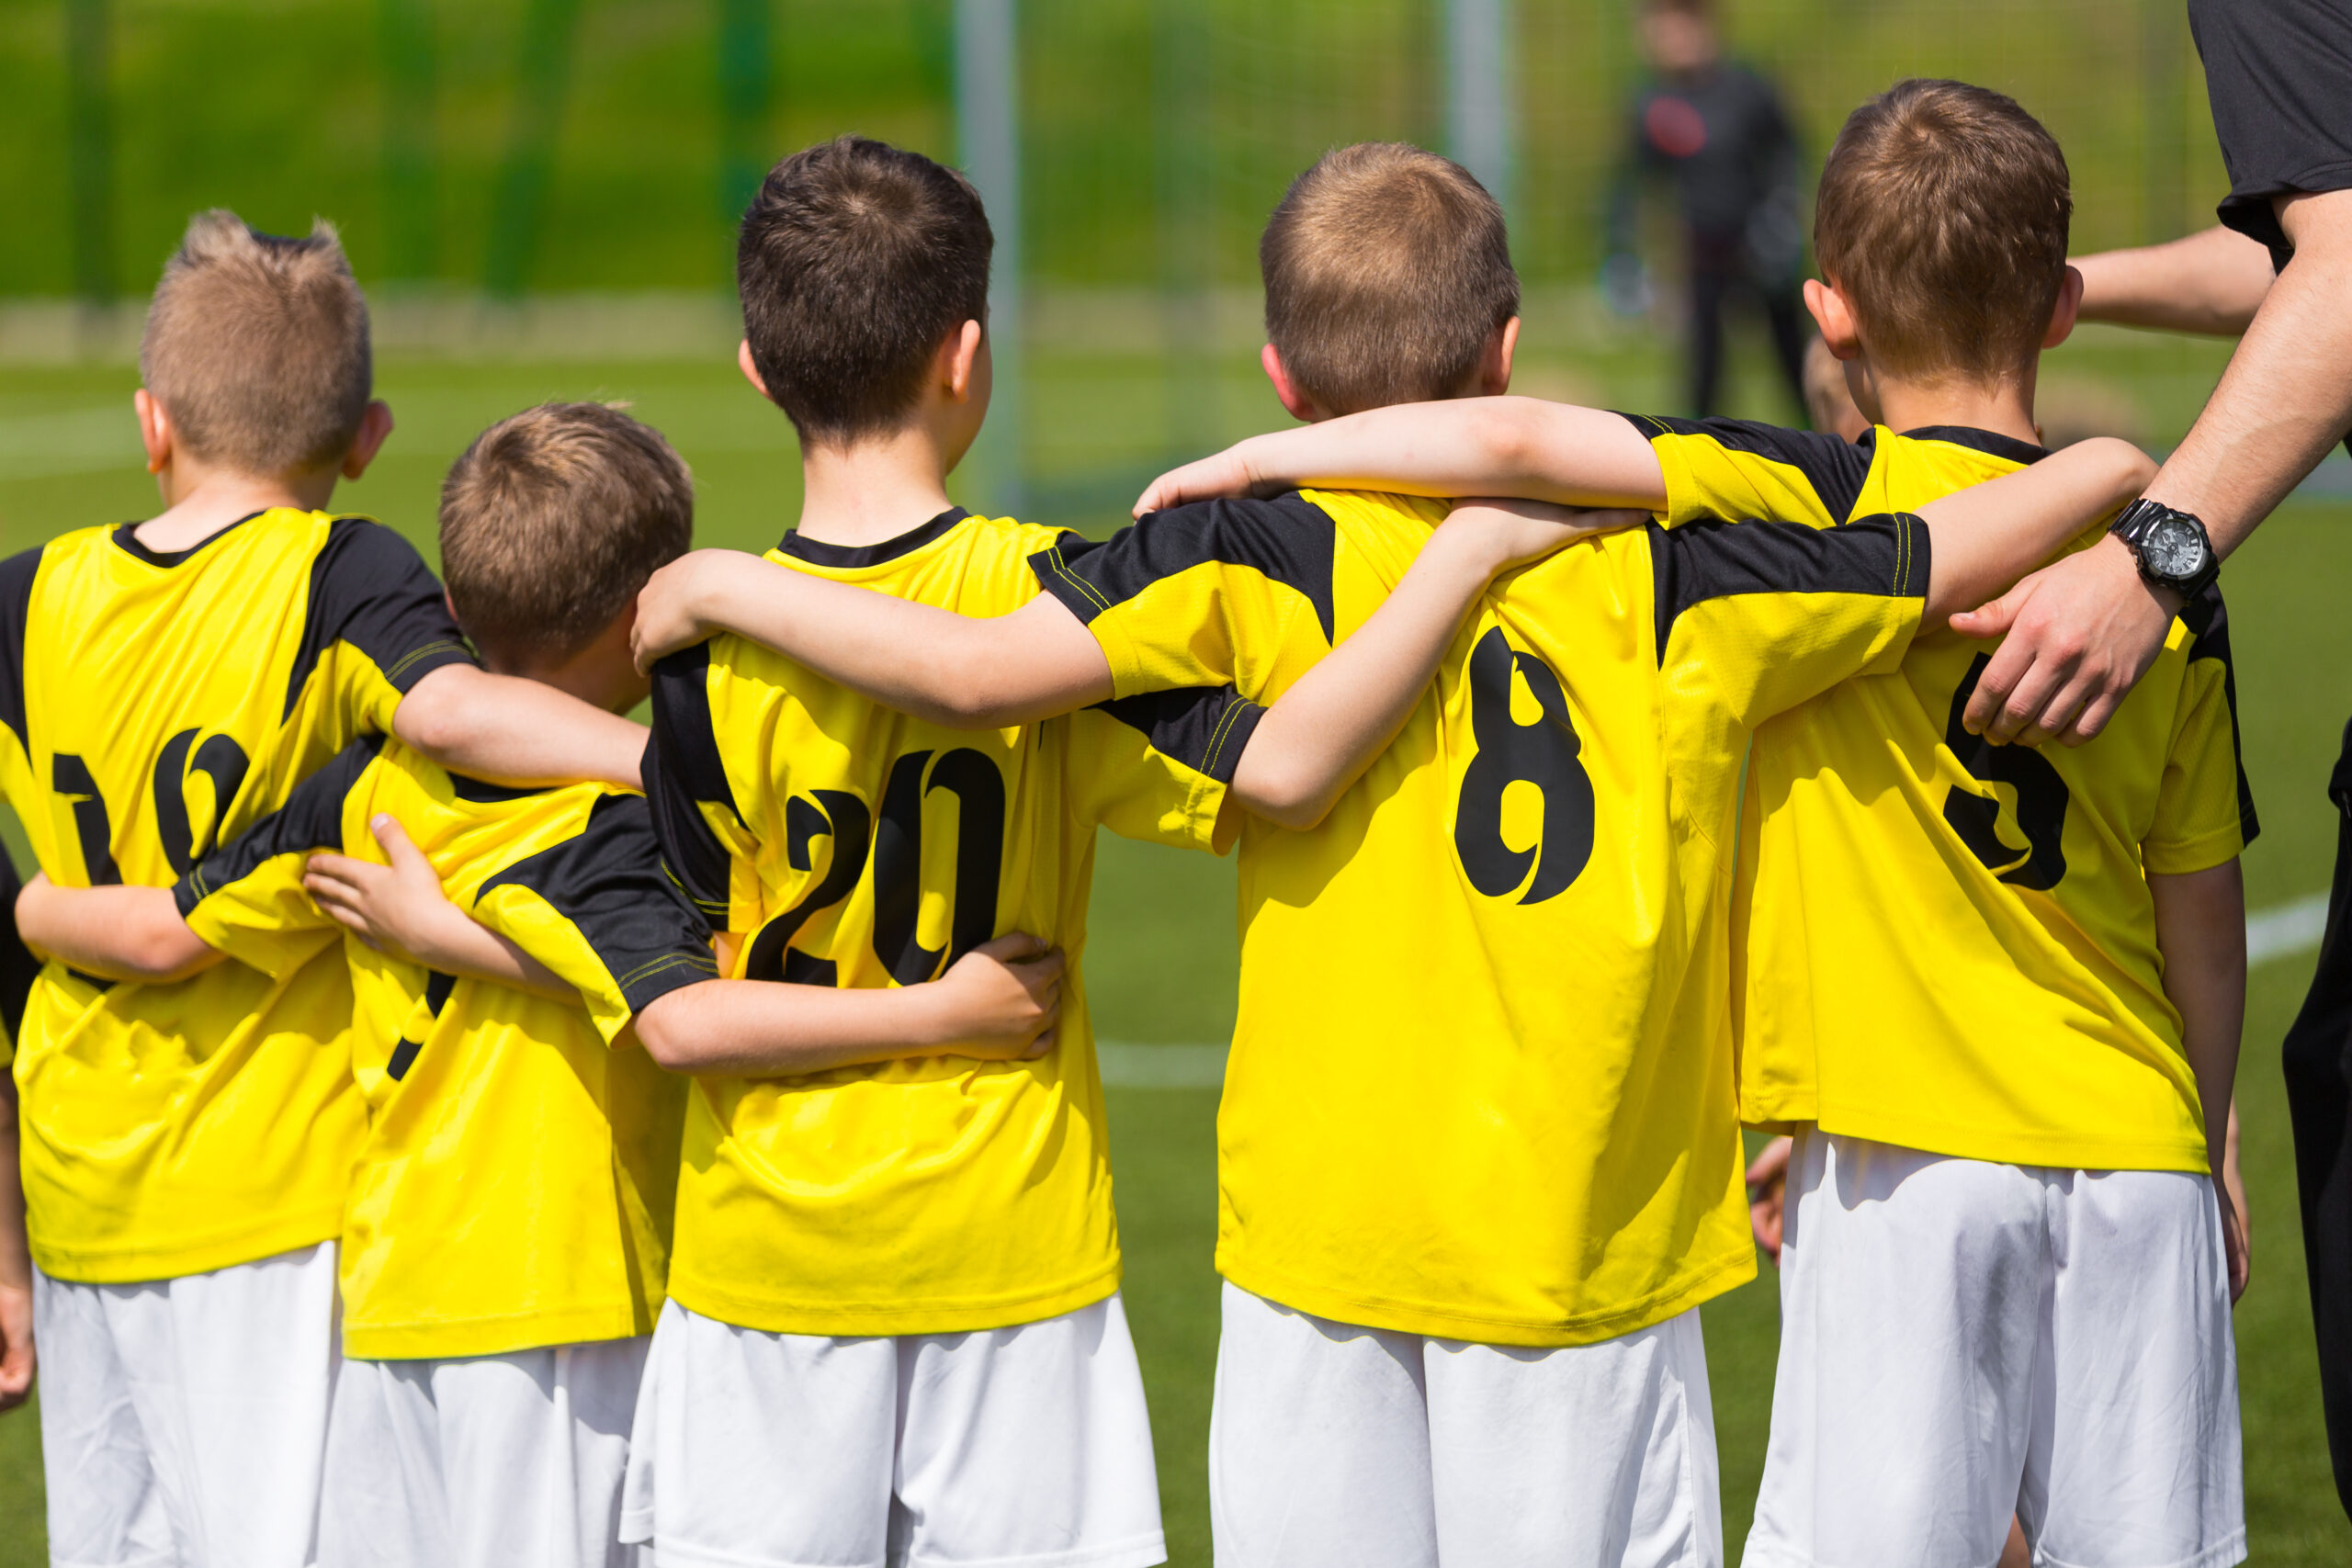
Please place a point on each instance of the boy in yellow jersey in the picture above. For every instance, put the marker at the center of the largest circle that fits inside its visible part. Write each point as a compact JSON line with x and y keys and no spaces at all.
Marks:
{"x":1478,"y":1158}
{"x":1998,"y":989}
{"x":188,"y":1147}
{"x":506,"y":1244}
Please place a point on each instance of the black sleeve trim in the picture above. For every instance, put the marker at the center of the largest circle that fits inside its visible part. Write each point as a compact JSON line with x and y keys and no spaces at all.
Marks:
{"x":1885,"y":555}
{"x":16,"y":574}
{"x":1205,"y":727}
{"x":369,"y":587}
{"x":311,"y":818}
{"x":1836,"y":469}
{"x":2208,"y":620}
{"x":682,"y":768}
{"x":606,"y":880}
{"x":1289,"y":540}
{"x":17,"y":965}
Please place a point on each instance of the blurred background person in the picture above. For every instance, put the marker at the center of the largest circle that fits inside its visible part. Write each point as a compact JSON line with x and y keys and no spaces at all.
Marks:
{"x":1717,"y":129}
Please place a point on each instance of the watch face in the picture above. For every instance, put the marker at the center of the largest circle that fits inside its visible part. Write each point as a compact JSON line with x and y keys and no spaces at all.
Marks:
{"x":2174,"y":549}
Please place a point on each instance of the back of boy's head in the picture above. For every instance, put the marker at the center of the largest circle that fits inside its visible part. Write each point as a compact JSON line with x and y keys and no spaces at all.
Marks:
{"x":551,"y":522}
{"x":1943,"y":217}
{"x":1387,"y":269}
{"x":855,"y":261}
{"x":256,"y":345}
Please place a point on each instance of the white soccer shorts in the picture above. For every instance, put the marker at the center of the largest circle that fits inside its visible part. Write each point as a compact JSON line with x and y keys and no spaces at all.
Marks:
{"x":184,"y":1421}
{"x":1025,"y":1446}
{"x":1960,"y":1339}
{"x":1333,"y":1446}
{"x":482,"y":1462}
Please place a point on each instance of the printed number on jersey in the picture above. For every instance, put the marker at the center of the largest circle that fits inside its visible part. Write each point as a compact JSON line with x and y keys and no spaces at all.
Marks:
{"x":220,"y":759}
{"x":1541,"y":751}
{"x":2041,"y":799}
{"x":892,"y":849}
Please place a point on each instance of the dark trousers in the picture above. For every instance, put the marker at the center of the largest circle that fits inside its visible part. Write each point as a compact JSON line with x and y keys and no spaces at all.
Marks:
{"x":2318,"y":1061}
{"x":1783,"y":307}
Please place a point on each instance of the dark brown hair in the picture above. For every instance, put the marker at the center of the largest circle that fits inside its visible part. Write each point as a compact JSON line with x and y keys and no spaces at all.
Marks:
{"x":855,"y":260}
{"x":1387,"y":269}
{"x":553,"y":519}
{"x":257,"y":347}
{"x":1943,"y":217}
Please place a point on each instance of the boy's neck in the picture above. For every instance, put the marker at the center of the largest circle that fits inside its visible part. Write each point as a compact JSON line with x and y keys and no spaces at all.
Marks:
{"x":199,"y":504}
{"x":874,"y":489}
{"x":2004,"y":407}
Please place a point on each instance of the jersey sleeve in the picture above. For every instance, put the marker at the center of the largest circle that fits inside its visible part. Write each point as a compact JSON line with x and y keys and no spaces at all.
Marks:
{"x":2204,"y":809}
{"x":1719,"y":469}
{"x":598,"y":910}
{"x":703,"y":835}
{"x":18,"y":965}
{"x":1159,"y":766}
{"x":375,"y":624}
{"x":1754,"y":618}
{"x":247,"y":897}
{"x":16,"y":575}
{"x":1214,"y":594}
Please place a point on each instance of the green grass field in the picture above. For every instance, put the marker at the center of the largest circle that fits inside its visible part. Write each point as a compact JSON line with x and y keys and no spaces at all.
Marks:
{"x":1162,"y":958}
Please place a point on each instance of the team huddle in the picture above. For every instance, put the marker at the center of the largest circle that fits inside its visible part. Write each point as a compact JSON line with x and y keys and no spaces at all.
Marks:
{"x":456,"y":1129}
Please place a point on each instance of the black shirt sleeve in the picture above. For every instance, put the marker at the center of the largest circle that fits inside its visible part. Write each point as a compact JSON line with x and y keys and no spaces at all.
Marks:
{"x":606,"y":880}
{"x":2279,"y":74}
{"x":16,"y":575}
{"x":18,"y":965}
{"x":311,"y":818}
{"x":683,"y":768}
{"x":370,"y":589}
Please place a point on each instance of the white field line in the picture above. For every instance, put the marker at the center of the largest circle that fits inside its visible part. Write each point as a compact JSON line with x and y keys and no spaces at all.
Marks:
{"x":2279,"y":932}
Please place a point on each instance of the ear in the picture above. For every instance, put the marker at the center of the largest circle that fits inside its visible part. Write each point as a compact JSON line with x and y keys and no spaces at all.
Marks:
{"x":154,"y":430}
{"x":958,"y":353}
{"x":2063,"y":315}
{"x":1493,"y":361}
{"x":751,"y":371}
{"x":1300,"y":405}
{"x":375,"y":429}
{"x":1834,"y":317}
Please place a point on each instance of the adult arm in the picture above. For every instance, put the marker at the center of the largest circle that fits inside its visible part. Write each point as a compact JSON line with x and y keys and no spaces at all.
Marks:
{"x":2201,"y":930}
{"x":1526,"y":448}
{"x":2209,"y":282}
{"x":998,"y":1002}
{"x":2081,"y":634}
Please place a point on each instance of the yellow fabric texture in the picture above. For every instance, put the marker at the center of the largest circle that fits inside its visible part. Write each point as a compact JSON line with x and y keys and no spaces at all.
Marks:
{"x":1480,"y":1082}
{"x":150,"y":707}
{"x":854,"y":846}
{"x":1944,"y":945}
{"x":515,"y":1184}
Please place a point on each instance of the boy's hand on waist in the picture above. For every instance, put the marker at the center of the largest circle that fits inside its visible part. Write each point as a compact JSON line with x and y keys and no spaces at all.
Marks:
{"x":674,"y":609}
{"x":2080,"y":633}
{"x":1001,"y":1001}
{"x":1768,"y":1196}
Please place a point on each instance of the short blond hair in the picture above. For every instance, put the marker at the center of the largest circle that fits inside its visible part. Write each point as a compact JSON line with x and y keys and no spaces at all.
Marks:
{"x":1386,"y":269}
{"x":553,"y":519}
{"x":256,"y":345}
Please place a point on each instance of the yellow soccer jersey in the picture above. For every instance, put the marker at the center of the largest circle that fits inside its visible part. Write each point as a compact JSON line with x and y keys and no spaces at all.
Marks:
{"x":150,"y":705}
{"x":849,"y":845}
{"x":1949,"y":944}
{"x":521,"y":1161}
{"x":1481,"y":1078}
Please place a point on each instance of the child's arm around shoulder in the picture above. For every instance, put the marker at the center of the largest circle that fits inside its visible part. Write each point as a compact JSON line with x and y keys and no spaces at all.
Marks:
{"x":1326,"y":729}
{"x":515,"y":732}
{"x":117,"y":933}
{"x":964,"y":672}
{"x":1985,"y":538}
{"x":1528,"y":448}
{"x":998,"y":1002}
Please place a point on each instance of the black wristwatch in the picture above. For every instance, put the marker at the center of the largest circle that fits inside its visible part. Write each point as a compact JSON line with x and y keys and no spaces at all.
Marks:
{"x":2172,"y":548}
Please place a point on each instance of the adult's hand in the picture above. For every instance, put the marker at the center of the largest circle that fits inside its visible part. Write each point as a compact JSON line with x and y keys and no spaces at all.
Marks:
{"x":2080,"y":635}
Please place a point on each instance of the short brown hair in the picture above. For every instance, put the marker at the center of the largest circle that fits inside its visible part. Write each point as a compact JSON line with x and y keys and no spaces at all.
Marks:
{"x":256,"y":345}
{"x":1386,"y":268}
{"x":1943,"y":217}
{"x":856,"y":259}
{"x":553,"y":519}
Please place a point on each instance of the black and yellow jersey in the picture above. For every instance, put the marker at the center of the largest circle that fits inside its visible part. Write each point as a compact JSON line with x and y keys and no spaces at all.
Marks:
{"x":521,"y":1159}
{"x":18,"y":965}
{"x":1949,"y":944}
{"x":846,"y":844}
{"x":1481,"y":1077}
{"x":151,"y":705}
